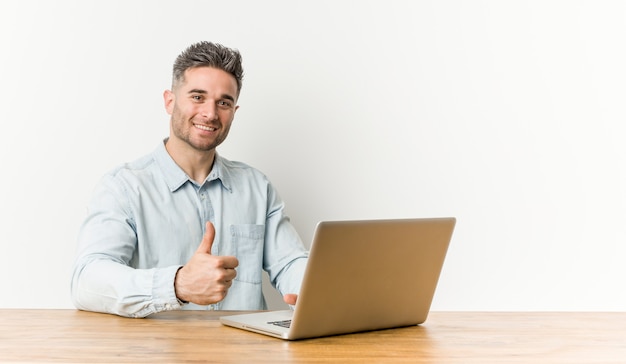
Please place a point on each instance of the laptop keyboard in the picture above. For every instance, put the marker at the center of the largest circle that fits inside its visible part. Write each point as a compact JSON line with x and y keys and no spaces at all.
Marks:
{"x":281,"y":323}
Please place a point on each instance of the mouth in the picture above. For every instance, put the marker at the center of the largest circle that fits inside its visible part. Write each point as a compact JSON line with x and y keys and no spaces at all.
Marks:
{"x":205,"y":127}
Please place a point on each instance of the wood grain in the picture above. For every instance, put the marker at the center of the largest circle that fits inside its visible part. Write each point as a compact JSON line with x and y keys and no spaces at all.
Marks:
{"x":71,"y":336}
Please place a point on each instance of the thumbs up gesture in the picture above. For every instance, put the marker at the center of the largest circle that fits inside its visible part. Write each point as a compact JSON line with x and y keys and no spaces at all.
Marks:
{"x":206,"y":278}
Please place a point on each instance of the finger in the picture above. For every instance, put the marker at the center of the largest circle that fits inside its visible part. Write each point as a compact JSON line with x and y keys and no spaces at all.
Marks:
{"x":290,"y":298}
{"x":207,"y":240}
{"x":229,"y":262}
{"x":229,"y":274}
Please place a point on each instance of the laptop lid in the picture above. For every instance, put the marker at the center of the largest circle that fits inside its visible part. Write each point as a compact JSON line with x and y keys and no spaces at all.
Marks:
{"x":363,"y":275}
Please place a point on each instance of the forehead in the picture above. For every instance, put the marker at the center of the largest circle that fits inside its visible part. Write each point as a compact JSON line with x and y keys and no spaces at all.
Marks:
{"x":209,"y":79}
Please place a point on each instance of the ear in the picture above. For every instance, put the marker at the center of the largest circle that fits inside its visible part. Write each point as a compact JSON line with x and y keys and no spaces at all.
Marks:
{"x":168,"y":101}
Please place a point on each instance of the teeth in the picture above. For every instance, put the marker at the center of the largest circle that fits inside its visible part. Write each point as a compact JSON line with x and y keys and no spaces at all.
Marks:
{"x":204,"y":127}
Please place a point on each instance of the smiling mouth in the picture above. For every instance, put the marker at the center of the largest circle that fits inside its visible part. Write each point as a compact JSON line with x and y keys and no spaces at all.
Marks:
{"x":205,"y":127}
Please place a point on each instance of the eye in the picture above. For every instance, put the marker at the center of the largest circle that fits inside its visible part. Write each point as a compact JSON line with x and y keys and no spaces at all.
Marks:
{"x":225,"y":104}
{"x":197,"y":98}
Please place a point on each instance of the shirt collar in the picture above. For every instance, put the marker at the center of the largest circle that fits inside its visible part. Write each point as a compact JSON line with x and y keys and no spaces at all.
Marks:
{"x":220,"y":172}
{"x":175,"y":177}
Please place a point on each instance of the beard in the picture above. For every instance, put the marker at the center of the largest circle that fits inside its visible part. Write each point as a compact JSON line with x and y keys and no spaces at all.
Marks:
{"x":183,"y":129}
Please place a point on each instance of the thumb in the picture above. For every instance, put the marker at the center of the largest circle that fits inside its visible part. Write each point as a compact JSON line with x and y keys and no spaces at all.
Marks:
{"x":207,"y":240}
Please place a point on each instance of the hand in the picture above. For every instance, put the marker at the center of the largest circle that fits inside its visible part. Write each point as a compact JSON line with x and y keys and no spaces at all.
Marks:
{"x":206,"y":278}
{"x":290,"y":298}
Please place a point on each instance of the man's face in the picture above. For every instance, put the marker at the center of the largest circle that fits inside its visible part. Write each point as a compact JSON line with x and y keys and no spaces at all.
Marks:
{"x":202,"y":107}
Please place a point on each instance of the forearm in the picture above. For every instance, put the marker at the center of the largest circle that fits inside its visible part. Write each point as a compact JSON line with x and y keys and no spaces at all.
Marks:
{"x":289,"y":280}
{"x":103,"y":285}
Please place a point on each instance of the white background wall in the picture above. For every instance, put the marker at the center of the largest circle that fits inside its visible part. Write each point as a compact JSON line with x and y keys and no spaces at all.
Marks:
{"x":505,"y":114}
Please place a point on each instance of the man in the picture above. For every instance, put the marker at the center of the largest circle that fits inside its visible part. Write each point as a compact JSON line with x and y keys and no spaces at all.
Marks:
{"x":184,"y":227}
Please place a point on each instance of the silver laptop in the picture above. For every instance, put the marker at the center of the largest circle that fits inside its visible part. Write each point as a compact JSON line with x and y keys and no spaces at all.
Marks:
{"x":361,"y":276}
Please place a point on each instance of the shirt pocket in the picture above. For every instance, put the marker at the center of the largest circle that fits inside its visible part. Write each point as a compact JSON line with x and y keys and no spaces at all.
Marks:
{"x":247,"y":241}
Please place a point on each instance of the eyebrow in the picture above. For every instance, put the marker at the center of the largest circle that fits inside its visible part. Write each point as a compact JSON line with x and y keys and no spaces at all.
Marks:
{"x":199,"y":91}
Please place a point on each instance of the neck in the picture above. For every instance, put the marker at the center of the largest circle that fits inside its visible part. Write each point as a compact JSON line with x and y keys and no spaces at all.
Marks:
{"x":197,"y":164}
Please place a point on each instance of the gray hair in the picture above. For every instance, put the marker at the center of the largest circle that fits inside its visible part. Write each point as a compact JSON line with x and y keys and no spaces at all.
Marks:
{"x":207,"y":54}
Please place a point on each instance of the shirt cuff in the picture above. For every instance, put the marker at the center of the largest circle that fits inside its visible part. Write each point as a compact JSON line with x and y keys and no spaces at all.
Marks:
{"x":163,"y":293}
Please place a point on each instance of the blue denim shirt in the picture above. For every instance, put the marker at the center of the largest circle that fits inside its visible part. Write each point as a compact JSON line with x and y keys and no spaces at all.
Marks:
{"x":147,"y":218}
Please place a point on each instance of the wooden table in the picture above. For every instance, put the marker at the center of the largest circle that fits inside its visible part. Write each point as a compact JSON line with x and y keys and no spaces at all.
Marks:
{"x":197,"y":336}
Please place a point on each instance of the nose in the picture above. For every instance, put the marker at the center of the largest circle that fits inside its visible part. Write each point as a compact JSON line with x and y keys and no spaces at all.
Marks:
{"x":209,"y":111}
